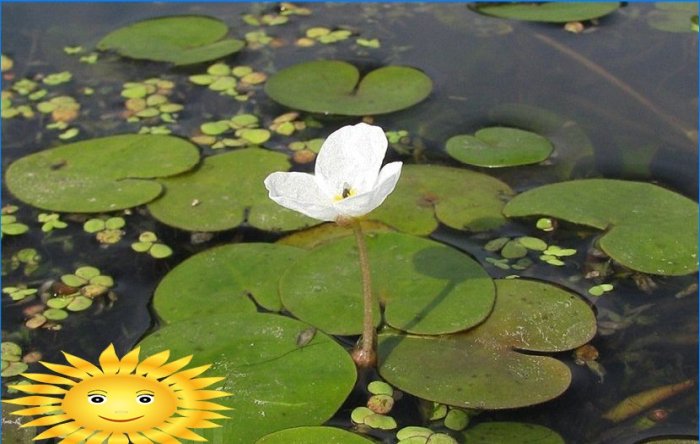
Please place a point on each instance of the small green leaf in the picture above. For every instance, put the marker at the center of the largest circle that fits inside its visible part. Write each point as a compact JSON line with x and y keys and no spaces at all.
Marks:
{"x":55,"y":314}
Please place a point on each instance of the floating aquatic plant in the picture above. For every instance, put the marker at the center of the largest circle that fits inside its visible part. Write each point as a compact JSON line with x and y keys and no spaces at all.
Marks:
{"x":148,"y":243}
{"x":9,"y":225}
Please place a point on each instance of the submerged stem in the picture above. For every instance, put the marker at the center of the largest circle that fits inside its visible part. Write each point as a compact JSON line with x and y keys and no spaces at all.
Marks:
{"x":365,"y":355}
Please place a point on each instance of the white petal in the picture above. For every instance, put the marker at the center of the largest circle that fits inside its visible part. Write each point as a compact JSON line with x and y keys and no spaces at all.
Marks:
{"x":300,"y":192}
{"x":361,"y":204}
{"x":351,"y":156}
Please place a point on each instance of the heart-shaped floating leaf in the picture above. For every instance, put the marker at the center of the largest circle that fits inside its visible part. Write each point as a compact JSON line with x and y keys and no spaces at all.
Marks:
{"x":499,"y":432}
{"x":548,"y":12}
{"x":482,"y":368}
{"x":104,"y":174}
{"x":275,"y":383}
{"x":424,"y":286}
{"x":216,"y":196}
{"x":458,"y":198}
{"x":331,"y":87}
{"x":649,"y":228}
{"x":313,"y":435}
{"x":182,"y":40}
{"x":499,"y":147}
{"x":221,"y":279}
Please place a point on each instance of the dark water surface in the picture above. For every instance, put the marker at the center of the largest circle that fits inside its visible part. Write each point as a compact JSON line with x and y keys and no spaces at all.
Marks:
{"x":478,"y":65}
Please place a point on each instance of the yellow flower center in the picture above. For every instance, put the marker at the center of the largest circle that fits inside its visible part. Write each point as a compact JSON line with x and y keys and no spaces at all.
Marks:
{"x":347,"y":192}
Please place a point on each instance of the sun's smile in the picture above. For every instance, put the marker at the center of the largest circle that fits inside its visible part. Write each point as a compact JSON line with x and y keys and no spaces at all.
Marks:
{"x":122,"y":400}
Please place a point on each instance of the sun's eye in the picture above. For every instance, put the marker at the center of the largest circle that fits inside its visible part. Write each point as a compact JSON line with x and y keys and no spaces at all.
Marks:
{"x":97,"y":399}
{"x":144,"y":399}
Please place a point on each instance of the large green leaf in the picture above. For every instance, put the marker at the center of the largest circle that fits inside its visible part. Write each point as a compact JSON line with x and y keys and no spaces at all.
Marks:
{"x":423,"y":286}
{"x":501,"y":432}
{"x":548,"y":11}
{"x":217,"y":195}
{"x":182,"y":40}
{"x":104,"y":174}
{"x":499,"y":147}
{"x":219,"y":280}
{"x":648,"y":228}
{"x":275,"y":383}
{"x":331,"y":87}
{"x":483,"y":368}
{"x":313,"y":435}
{"x":460,"y":199}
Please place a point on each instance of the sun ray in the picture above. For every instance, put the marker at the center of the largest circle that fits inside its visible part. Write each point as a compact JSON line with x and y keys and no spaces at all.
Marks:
{"x":129,"y":361}
{"x":41,"y":410}
{"x":97,"y":438}
{"x":137,"y":438}
{"x":201,"y":383}
{"x":66,"y":370}
{"x":180,"y":430}
{"x":169,"y":368}
{"x":160,"y":437}
{"x":205,"y":405}
{"x":109,"y":361}
{"x":202,"y":395}
{"x":118,"y":438}
{"x":201,"y":414}
{"x":48,"y":379}
{"x":187,"y":374}
{"x":82,"y":364}
{"x":152,"y":362}
{"x":77,"y":437}
{"x":201,"y":423}
{"x":47,"y":420}
{"x":39,"y":389}
{"x":34,"y":400}
{"x":59,"y":430}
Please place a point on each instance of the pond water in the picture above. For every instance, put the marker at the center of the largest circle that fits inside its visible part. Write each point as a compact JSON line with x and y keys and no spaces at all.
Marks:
{"x":618,"y":100}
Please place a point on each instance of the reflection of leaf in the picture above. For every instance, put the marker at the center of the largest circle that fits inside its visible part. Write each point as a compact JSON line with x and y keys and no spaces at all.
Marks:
{"x":499,"y":147}
{"x":275,"y":384}
{"x":217,"y":195}
{"x":650,"y":229}
{"x":674,"y":17}
{"x":548,"y":12}
{"x":313,"y":435}
{"x":104,"y":174}
{"x":182,"y":40}
{"x":482,"y":367}
{"x":423,"y":286}
{"x":499,"y":432}
{"x":331,"y":87}
{"x":460,"y":199}
{"x":220,"y":279}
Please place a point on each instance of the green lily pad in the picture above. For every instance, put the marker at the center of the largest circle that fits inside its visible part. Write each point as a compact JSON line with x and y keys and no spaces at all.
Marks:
{"x":648,"y":228}
{"x":423,"y":286}
{"x":549,"y":12}
{"x":483,"y":368}
{"x":499,"y":147}
{"x":182,"y":40}
{"x":313,"y":435}
{"x":334,"y":87}
{"x":217,"y":195}
{"x":220,"y":279}
{"x":509,"y":432}
{"x":458,"y":198}
{"x":97,"y":175}
{"x":274,"y":383}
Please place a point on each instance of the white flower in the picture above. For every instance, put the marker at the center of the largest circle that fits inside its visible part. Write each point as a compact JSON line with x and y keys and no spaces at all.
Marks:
{"x":347,"y":183}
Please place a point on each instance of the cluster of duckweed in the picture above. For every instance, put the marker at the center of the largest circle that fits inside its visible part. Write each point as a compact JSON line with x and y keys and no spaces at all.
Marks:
{"x":50,"y":222}
{"x":238,"y":131}
{"x":107,"y":230}
{"x":9,"y":225}
{"x":379,"y":404}
{"x":63,"y":110}
{"x":287,"y":124}
{"x":14,"y":361}
{"x":305,"y":151}
{"x":79,"y":51}
{"x":260,"y":39}
{"x":514,"y":252}
{"x":19,"y":293}
{"x":150,"y":101}
{"x":279,"y":17}
{"x":237,"y":82}
{"x":148,"y":243}
{"x":72,"y":293}
{"x":26,"y":258}
{"x":323,"y":35}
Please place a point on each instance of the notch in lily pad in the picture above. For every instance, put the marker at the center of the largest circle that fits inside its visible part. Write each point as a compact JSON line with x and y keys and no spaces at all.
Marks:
{"x":498,"y":147}
{"x":182,"y":40}
{"x":335,"y":87}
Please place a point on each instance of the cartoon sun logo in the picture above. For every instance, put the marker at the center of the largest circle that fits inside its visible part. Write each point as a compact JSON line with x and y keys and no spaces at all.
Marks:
{"x":122,"y":401}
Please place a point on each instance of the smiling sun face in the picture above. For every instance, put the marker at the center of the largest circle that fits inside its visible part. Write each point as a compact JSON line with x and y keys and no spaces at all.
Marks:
{"x":122,"y":400}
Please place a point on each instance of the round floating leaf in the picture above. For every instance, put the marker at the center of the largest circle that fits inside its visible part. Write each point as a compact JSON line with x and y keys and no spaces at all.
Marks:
{"x":55,"y":314}
{"x":510,"y":432}
{"x":182,"y":40}
{"x":424,"y":286}
{"x":80,"y":303}
{"x":275,"y":384}
{"x":499,"y":147}
{"x":104,"y":174}
{"x":313,"y":435}
{"x":160,"y":251}
{"x":549,"y":12}
{"x":220,"y":279}
{"x":458,"y":198}
{"x":649,"y":228}
{"x":334,"y":87}
{"x":482,"y":368}
{"x":216,"y":196}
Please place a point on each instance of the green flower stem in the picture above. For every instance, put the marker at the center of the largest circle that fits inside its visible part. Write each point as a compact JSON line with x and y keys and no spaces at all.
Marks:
{"x":366,"y":355}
